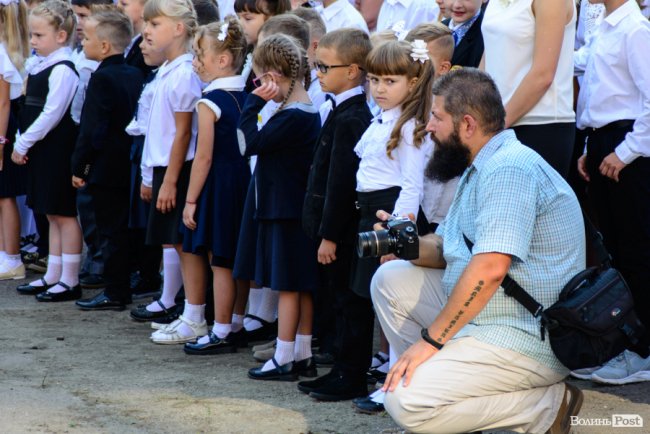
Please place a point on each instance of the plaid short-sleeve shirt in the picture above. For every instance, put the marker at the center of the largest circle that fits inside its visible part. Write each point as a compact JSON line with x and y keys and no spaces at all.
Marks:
{"x":511,"y":201}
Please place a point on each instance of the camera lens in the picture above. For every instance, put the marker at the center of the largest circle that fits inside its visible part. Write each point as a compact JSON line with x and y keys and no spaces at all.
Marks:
{"x":373,"y":244}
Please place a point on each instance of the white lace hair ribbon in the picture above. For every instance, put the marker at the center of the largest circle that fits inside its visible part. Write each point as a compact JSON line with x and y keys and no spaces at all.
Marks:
{"x":419,"y":51}
{"x":223,"y":32}
{"x":399,"y":30}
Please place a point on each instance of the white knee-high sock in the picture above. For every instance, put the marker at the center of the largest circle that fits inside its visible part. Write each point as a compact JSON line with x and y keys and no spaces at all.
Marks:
{"x":69,"y":272}
{"x":254,"y":300}
{"x":302,"y":349}
{"x":237,"y":322}
{"x":172,"y":280}
{"x":53,"y":273}
{"x":268,"y":308}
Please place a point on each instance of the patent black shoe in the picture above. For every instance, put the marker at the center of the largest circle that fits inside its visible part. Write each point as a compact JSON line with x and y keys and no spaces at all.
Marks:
{"x":141,"y":313}
{"x":215,"y":345}
{"x":340,"y":389}
{"x":366,"y":405}
{"x":102,"y":302}
{"x":305,"y":368}
{"x":324,"y":359}
{"x":311,"y":385}
{"x":240,"y":338}
{"x":68,"y":295}
{"x":28,"y":289}
{"x":92,"y":281}
{"x":267,"y":332}
{"x":279,"y":373}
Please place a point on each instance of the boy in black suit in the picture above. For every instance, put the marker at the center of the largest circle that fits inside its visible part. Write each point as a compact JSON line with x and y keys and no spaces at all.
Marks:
{"x":101,"y":157}
{"x":465,"y":23}
{"x":329,"y":212}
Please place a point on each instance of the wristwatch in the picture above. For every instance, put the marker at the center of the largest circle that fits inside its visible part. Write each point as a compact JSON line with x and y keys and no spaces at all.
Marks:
{"x":425,"y":335}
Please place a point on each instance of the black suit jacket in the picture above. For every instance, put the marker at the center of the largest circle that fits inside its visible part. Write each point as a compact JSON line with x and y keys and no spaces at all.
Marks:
{"x":134,"y":58}
{"x":470,"y":50}
{"x":102,"y":152}
{"x":329,"y":211}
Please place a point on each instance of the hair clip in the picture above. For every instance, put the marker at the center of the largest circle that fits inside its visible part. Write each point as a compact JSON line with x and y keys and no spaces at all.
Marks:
{"x":419,"y":51}
{"x":399,"y":30}
{"x":223,"y":32}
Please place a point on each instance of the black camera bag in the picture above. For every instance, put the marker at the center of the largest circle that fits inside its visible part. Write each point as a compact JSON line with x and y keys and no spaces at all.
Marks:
{"x":593,"y":320}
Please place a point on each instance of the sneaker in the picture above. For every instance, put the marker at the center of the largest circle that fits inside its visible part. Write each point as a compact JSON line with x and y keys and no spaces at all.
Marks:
{"x":627,"y":367}
{"x":584,"y":373}
{"x":15,"y":273}
{"x":266,"y":346}
{"x":39,"y":265}
{"x":264,"y":355}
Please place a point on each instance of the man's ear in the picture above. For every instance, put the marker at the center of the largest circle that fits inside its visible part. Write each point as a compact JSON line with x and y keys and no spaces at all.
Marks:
{"x":469,"y":127}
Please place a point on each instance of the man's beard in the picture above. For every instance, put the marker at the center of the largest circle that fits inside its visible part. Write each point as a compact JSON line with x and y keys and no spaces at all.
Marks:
{"x":449,"y":160}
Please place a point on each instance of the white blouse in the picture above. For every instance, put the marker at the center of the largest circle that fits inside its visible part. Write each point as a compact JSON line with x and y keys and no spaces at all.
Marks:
{"x":177,"y":90}
{"x":138,"y":125}
{"x":342,"y":14}
{"x":10,"y":74}
{"x":405,"y":169}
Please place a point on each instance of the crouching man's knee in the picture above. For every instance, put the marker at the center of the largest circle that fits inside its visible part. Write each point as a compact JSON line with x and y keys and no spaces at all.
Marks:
{"x":408,"y":411}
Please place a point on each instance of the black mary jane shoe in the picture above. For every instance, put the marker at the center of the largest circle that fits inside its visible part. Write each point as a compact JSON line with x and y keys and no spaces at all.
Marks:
{"x":366,"y":405}
{"x":279,"y":373}
{"x":240,"y":338}
{"x":68,"y":295}
{"x":305,"y":368}
{"x":102,"y":302}
{"x":215,"y":345}
{"x":141,"y":313}
{"x":28,"y":289}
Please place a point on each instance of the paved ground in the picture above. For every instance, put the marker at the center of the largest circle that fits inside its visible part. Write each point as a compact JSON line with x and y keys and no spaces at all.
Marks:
{"x":67,"y":371}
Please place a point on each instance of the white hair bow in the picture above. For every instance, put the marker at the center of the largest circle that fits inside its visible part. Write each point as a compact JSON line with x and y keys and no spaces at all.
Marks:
{"x":223,"y":32}
{"x":8,"y":2}
{"x":399,"y":30}
{"x":419,"y":51}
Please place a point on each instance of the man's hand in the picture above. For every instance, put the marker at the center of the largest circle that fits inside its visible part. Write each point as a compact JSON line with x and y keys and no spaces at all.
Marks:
{"x":146,"y":193}
{"x":612,"y":166}
{"x":19,"y":159}
{"x":405,"y":366}
{"x":582,"y":167}
{"x":77,"y":182}
{"x":326,"y":252}
{"x":166,"y":197}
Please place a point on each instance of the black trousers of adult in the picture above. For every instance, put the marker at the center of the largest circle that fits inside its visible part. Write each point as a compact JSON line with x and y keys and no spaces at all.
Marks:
{"x":111,"y":207}
{"x":94,"y":262}
{"x":554,"y":142}
{"x":144,"y":258}
{"x":623,"y":212}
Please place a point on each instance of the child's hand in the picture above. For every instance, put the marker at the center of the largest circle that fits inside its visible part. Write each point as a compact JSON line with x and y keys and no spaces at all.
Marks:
{"x":77,"y":182}
{"x":19,"y":159}
{"x":327,"y":252}
{"x":267,"y":91}
{"x":188,"y":216}
{"x":166,"y":198}
{"x":582,"y":167}
{"x":612,"y":166}
{"x":145,"y":193}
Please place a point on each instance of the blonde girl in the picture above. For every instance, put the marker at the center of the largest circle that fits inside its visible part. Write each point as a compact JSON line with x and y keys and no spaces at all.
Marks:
{"x":169,"y":148}
{"x":14,"y":49}
{"x":285,"y":259}
{"x":46,"y":144}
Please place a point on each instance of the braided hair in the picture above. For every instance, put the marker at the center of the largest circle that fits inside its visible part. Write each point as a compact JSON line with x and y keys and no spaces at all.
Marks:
{"x":58,"y":14}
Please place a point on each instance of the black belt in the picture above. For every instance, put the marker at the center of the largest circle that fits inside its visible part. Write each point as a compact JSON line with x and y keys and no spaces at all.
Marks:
{"x":616,"y":125}
{"x":34,"y":101}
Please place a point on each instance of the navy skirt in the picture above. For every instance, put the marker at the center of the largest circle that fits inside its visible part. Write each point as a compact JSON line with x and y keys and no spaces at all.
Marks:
{"x":244,"y":267}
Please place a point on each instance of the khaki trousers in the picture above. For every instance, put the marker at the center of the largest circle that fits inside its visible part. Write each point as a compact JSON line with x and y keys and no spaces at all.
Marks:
{"x":467,"y":386}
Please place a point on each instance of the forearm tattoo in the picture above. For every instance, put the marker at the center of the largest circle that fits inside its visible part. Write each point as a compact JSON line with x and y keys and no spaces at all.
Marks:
{"x":461,"y":312}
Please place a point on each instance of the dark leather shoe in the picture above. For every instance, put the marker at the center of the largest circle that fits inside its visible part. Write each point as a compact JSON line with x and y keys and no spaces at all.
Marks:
{"x":240,"y":338}
{"x":305,"y":368}
{"x":366,"y":405}
{"x":324,"y":359}
{"x":340,"y":389}
{"x":102,"y":302}
{"x":279,"y":373}
{"x":146,"y":288}
{"x":68,"y":295}
{"x":215,"y":345}
{"x":570,"y":406}
{"x":267,"y":332}
{"x":311,"y":385}
{"x":92,"y":281}
{"x":28,"y":289}
{"x":141,"y":313}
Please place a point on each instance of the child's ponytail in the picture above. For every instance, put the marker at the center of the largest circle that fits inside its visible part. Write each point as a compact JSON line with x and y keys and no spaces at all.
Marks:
{"x":13,"y":31}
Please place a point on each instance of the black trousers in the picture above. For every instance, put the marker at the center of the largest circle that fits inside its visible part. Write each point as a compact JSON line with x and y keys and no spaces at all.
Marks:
{"x":623,"y":212}
{"x":554,"y":142}
{"x":94,"y":262}
{"x":111,"y":206}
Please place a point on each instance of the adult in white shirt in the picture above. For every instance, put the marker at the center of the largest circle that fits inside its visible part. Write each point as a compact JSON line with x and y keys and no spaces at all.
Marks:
{"x":338,"y":14}
{"x":529,"y":54}
{"x":614,"y":108}
{"x":411,"y":12}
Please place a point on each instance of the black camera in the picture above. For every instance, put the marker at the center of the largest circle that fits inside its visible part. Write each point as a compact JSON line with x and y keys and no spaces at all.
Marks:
{"x":400,"y":238}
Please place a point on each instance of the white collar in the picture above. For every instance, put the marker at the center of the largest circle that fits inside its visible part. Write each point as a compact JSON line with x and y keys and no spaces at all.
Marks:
{"x":344,"y":96}
{"x":619,"y":14}
{"x":41,"y":63}
{"x":235,"y":82}
{"x":405,"y":3}
{"x":330,"y":11}
{"x":387,"y":116}
{"x":168,"y":66}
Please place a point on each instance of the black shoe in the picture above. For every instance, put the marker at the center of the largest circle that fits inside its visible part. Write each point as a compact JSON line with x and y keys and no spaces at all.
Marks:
{"x":92,"y":281}
{"x":215,"y":345}
{"x":240,"y":338}
{"x":267,"y":332}
{"x":340,"y":389}
{"x":279,"y":373}
{"x":141,"y":313}
{"x":366,"y":405}
{"x":324,"y":359}
{"x":146,"y":288}
{"x":28,"y":289}
{"x":305,"y":368}
{"x":374,"y":376}
{"x":311,"y":385}
{"x":102,"y":302}
{"x":68,"y":295}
